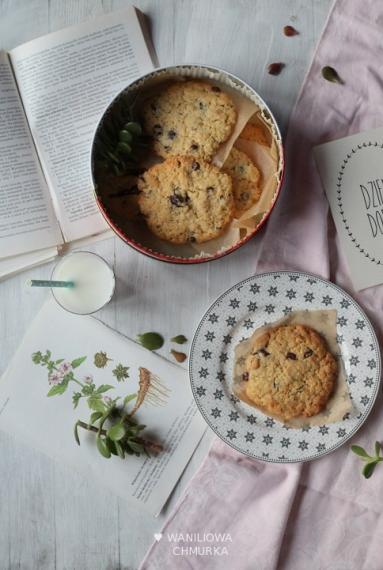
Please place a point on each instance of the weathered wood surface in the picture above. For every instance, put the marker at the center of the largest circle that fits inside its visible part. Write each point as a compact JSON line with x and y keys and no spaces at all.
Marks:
{"x":51,"y":517}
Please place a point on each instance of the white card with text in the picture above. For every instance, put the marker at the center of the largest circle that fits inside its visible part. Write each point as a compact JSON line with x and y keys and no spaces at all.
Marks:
{"x":351,"y":170}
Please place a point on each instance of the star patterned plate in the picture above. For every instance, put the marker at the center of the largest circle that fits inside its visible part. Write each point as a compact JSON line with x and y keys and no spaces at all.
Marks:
{"x":263,"y":299}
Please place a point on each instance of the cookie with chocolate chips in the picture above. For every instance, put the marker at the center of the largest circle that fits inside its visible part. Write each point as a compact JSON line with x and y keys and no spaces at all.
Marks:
{"x":291,"y":372}
{"x":184,"y":199}
{"x":246,"y":180}
{"x":189,"y":118}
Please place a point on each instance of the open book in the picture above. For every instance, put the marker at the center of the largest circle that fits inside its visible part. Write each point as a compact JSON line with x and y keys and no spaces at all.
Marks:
{"x":53,"y":91}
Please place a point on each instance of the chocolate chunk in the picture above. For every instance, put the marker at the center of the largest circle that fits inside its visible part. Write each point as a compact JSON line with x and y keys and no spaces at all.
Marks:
{"x":172,"y":134}
{"x":308,"y":353}
{"x":245,"y":376}
{"x":157,"y":130}
{"x":192,"y":239}
{"x":291,"y":356}
{"x":210,"y":188}
{"x":201,"y":105}
{"x":194,"y":146}
{"x":195,"y":165}
{"x":179,"y":200}
{"x":263,"y":351}
{"x":216,"y":89}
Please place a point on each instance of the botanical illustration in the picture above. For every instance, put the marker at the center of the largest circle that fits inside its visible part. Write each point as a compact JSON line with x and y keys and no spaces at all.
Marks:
{"x":116,"y":431}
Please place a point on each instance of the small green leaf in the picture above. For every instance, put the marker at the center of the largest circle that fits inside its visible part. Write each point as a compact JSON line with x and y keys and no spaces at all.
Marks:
{"x":95,"y":403}
{"x":111,"y":446}
{"x":360,"y":451}
{"x":77,"y":361}
{"x":95,"y":416}
{"x":103,"y":448}
{"x":179,"y":339}
{"x":133,"y":430}
{"x":120,"y":450}
{"x":116,"y":432}
{"x":58,"y":389}
{"x":378,"y":447}
{"x":134,"y":128}
{"x":124,"y":147}
{"x":104,"y":388}
{"x":76,"y":433}
{"x":368,"y":469}
{"x":136,"y":447}
{"x":59,"y":361}
{"x":330,"y":74}
{"x":75,"y":399}
{"x":151,"y":340}
{"x":125,"y":136}
{"x":129,"y":398}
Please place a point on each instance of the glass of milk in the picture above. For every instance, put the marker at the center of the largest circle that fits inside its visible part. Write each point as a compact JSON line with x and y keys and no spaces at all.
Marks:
{"x":93,"y":279}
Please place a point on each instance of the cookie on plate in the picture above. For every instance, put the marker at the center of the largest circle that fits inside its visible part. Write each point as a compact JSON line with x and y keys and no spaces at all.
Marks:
{"x":246,"y":179}
{"x":189,"y":118}
{"x":186,"y":200}
{"x":291,"y":372}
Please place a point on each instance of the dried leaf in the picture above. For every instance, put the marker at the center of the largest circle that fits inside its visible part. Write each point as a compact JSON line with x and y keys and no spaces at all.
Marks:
{"x":179,"y":339}
{"x":275,"y":68}
{"x":330,"y":74}
{"x":151,"y":340}
{"x":290,"y":31}
{"x":179,"y":356}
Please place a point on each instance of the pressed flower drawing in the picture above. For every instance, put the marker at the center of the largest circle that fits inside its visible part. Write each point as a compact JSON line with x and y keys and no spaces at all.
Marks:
{"x":101,"y":359}
{"x":117,"y":432}
{"x":121,"y":372}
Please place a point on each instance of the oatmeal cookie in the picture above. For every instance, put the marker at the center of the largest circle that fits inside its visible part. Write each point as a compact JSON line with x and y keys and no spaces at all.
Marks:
{"x":246,"y":179}
{"x":186,"y":200}
{"x":189,"y":118}
{"x":290,"y":372}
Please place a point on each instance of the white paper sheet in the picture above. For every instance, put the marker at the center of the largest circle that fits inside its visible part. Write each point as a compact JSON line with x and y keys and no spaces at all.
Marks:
{"x":47,"y":422}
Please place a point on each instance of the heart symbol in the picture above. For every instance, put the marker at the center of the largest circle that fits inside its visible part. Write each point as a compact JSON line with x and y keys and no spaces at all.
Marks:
{"x":158,"y":536}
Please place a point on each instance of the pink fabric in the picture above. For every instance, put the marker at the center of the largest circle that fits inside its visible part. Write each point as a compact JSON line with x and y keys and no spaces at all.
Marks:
{"x":321,"y":515}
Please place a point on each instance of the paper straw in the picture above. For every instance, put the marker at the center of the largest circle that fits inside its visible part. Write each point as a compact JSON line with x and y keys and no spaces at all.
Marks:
{"x":50,"y":283}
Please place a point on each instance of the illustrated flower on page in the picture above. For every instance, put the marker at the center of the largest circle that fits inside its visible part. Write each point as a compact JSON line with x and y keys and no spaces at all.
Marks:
{"x":101,"y":359}
{"x":116,"y":431}
{"x":65,"y":367}
{"x":121,"y":372}
{"x":54,"y":378}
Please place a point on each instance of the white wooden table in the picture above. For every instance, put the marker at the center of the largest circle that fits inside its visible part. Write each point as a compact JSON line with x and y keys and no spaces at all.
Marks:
{"x":50,"y":517}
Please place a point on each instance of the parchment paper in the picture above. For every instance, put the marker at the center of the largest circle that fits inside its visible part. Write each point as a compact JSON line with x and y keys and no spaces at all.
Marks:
{"x":324,"y":322}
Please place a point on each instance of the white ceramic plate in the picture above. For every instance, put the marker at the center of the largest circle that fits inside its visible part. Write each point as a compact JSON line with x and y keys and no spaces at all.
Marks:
{"x":235,"y":315}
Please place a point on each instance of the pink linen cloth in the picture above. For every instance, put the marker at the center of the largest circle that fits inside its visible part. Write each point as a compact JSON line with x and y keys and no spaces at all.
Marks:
{"x":322,"y":515}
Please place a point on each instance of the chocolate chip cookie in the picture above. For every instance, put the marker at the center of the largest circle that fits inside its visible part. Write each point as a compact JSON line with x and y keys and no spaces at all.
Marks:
{"x":246,"y":179}
{"x":189,"y":118}
{"x":186,"y":200}
{"x":291,"y":372}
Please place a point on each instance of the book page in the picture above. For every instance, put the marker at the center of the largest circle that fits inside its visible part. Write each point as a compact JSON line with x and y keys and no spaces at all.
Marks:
{"x":66,"y":81}
{"x":27,"y":220}
{"x":41,"y":409}
{"x":13,"y":265}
